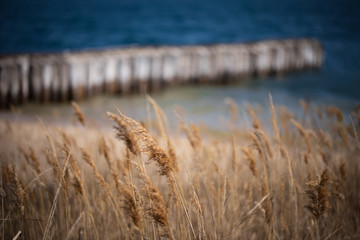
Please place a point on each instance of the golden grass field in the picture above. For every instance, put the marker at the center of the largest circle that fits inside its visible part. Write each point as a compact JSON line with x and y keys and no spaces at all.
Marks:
{"x":295,"y":177}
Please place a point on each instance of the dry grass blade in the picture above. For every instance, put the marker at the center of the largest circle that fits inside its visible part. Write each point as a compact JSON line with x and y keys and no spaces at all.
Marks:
{"x":274,"y":121}
{"x":17,"y":235}
{"x":53,"y":207}
{"x":74,"y":226}
{"x":55,"y":157}
{"x":160,"y":116}
{"x":251,"y":211}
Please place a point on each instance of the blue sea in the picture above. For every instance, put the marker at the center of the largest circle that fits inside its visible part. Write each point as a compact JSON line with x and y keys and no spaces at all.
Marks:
{"x":46,"y":26}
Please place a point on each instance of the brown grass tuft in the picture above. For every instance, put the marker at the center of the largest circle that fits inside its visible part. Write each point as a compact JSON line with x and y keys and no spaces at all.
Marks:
{"x":124,"y":133}
{"x":318,"y":196}
{"x":19,"y":189}
{"x":157,"y":209}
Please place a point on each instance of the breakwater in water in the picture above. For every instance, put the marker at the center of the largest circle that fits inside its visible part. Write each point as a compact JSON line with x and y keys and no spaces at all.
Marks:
{"x":43,"y":77}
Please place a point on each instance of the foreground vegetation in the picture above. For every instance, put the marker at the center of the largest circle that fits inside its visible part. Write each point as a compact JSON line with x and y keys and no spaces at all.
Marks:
{"x":291,"y":178}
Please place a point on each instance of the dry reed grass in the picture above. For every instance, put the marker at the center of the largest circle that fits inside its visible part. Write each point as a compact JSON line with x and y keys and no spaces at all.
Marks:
{"x":297,"y":181}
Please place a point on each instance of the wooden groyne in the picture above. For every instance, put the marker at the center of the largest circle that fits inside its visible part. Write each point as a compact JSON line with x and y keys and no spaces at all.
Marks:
{"x":77,"y":75}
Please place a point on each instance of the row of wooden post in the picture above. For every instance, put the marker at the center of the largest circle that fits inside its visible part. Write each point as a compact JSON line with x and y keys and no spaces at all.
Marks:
{"x":77,"y":75}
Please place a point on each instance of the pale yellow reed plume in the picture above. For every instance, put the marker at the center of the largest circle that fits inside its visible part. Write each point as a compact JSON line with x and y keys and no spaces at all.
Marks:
{"x":294,"y":199}
{"x":35,"y":161}
{"x":31,"y":158}
{"x":274,"y":121}
{"x":54,"y":203}
{"x":124,"y":133}
{"x":172,"y":155}
{"x":325,"y":139}
{"x":19,"y":189}
{"x":78,"y":185}
{"x":5,"y":171}
{"x":77,"y":181}
{"x":343,"y":134}
{"x":121,"y":188}
{"x":255,"y":120}
{"x":157,"y":209}
{"x":131,"y":205}
{"x":334,"y":111}
{"x":196,"y":134}
{"x":195,"y":144}
{"x":285,"y":117}
{"x":25,"y":154}
{"x":323,"y":155}
{"x":55,"y":165}
{"x":234,"y":157}
{"x":304,"y":106}
{"x":267,"y":187}
{"x":78,"y":113}
{"x":303,"y":133}
{"x":157,"y":154}
{"x":251,"y":159}
{"x":66,"y":138}
{"x":357,"y":117}
{"x":318,"y":196}
{"x":342,"y":169}
{"x":149,"y":146}
{"x":267,"y":204}
{"x":55,"y":157}
{"x":233,"y":110}
{"x":312,"y":134}
{"x":267,"y":143}
{"x":88,"y":159}
{"x":200,"y":213}
{"x":257,"y":145}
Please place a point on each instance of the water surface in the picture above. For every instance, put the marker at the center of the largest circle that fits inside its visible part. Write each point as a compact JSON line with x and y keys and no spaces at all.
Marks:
{"x":33,"y":26}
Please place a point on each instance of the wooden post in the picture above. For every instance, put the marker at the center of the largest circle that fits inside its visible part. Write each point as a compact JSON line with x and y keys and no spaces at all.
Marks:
{"x":4,"y":85}
{"x":35,"y":80}
{"x":53,"y":77}
{"x":65,"y":87}
{"x":78,"y":79}
{"x":24,"y":63}
{"x":47,"y":77}
{"x":110,"y":75}
{"x":125,"y":72}
{"x":155,"y":75}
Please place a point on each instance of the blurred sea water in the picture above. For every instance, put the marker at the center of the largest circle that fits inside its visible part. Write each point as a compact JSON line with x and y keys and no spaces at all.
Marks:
{"x":33,"y":26}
